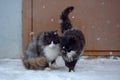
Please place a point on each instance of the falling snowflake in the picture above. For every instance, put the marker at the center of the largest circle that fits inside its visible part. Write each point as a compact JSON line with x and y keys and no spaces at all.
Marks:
{"x":44,"y":6}
{"x":102,"y":3}
{"x":73,"y":17}
{"x":98,"y":38}
{"x":52,"y":20}
{"x":108,"y":21}
{"x":93,"y":26}
{"x":31,"y":33}
{"x":118,"y":26}
{"x":110,"y":53}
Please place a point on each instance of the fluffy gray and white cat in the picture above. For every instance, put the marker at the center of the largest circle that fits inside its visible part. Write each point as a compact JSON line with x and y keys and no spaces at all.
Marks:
{"x":72,"y":42}
{"x":42,"y":51}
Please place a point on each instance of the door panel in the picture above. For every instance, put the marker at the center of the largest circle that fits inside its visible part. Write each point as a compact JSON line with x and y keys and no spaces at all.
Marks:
{"x":99,"y":20}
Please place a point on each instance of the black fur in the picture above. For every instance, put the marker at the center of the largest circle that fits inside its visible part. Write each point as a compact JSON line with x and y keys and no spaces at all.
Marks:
{"x":72,"y":41}
{"x":68,"y":64}
{"x":65,"y":22}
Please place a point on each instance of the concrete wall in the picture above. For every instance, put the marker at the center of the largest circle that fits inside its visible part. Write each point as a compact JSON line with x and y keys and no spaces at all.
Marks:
{"x":10,"y":28}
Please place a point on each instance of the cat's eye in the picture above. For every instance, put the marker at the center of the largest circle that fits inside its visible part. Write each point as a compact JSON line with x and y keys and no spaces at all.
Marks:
{"x":63,"y":47}
{"x":56,"y":41}
{"x":55,"y":33}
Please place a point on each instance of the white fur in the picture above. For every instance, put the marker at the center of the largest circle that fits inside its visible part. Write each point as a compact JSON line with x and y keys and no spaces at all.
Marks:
{"x":70,"y":54}
{"x":53,"y":65}
{"x":52,"y":45}
{"x":47,"y":69}
{"x":51,"y":53}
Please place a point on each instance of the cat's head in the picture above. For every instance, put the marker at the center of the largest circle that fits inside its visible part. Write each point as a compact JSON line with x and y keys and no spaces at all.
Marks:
{"x":51,"y":37}
{"x":68,"y":44}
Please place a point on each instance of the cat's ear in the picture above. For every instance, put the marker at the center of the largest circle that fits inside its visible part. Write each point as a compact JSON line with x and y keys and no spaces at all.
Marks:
{"x":45,"y":34}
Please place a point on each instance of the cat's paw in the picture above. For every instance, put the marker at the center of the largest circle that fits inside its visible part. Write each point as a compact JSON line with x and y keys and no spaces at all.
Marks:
{"x":72,"y":71}
{"x":54,"y":65}
{"x":47,"y":69}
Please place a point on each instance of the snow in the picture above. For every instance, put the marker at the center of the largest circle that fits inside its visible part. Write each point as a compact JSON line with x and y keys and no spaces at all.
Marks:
{"x":96,"y":69}
{"x":108,"y":21}
{"x":102,"y":3}
{"x":31,"y":33}
{"x":98,"y":38}
{"x":52,"y":20}
{"x":44,"y":6}
{"x":118,"y":26}
{"x":73,"y":17}
{"x":110,"y":53}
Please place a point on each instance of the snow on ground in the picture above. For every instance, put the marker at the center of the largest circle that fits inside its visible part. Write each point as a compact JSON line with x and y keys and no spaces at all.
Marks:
{"x":97,"y":69}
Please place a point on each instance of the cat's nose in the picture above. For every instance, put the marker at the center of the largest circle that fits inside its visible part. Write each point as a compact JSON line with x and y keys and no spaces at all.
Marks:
{"x":52,"y":46}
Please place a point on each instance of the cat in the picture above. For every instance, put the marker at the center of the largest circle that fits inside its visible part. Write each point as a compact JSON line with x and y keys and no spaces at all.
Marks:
{"x":42,"y":50}
{"x":72,"y":41}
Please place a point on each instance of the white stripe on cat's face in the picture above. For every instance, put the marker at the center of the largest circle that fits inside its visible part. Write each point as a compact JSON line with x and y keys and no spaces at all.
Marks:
{"x":52,"y":45}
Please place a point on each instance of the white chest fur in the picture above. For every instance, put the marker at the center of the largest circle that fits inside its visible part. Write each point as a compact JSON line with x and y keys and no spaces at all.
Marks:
{"x":69,"y":56}
{"x":51,"y":53}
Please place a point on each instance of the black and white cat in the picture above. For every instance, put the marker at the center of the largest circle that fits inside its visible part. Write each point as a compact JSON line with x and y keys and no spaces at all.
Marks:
{"x":43,"y":49}
{"x":72,"y":41}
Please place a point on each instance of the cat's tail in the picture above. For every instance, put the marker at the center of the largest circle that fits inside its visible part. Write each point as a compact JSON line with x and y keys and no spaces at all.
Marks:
{"x":64,"y":19}
{"x":34,"y":63}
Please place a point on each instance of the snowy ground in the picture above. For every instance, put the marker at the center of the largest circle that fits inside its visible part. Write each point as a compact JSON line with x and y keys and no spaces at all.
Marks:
{"x":97,"y":69}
